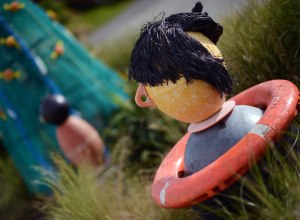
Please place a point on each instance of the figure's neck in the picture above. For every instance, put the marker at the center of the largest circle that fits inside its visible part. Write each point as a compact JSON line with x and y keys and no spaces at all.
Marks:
{"x":226,"y":109}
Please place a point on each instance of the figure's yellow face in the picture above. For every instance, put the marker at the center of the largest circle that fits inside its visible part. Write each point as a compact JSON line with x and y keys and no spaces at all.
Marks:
{"x":190,"y":103}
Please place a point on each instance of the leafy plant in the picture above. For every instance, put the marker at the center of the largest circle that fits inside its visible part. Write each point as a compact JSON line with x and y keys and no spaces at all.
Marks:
{"x":139,"y":138}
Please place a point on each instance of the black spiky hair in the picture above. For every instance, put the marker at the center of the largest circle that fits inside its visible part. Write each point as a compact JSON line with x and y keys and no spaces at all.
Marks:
{"x":164,"y":52}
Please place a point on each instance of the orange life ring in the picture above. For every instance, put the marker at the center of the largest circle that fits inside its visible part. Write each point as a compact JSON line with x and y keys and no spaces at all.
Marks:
{"x":171,"y":189}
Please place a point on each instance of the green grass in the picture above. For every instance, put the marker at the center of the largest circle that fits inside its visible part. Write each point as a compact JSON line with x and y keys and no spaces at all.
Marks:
{"x":262,"y":42}
{"x":81,"y":195}
{"x":13,"y":199}
{"x":259,"y":43}
{"x":271,"y":190}
{"x":117,"y":53}
{"x":83,"y":22}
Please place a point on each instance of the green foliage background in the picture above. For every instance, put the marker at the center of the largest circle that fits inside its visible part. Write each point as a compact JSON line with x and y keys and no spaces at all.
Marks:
{"x":262,"y":42}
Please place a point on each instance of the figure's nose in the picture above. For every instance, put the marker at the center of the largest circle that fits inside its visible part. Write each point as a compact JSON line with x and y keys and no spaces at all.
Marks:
{"x":142,"y":99}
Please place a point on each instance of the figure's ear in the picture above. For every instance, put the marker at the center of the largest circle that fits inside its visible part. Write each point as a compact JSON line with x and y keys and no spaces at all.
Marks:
{"x":142,"y":94}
